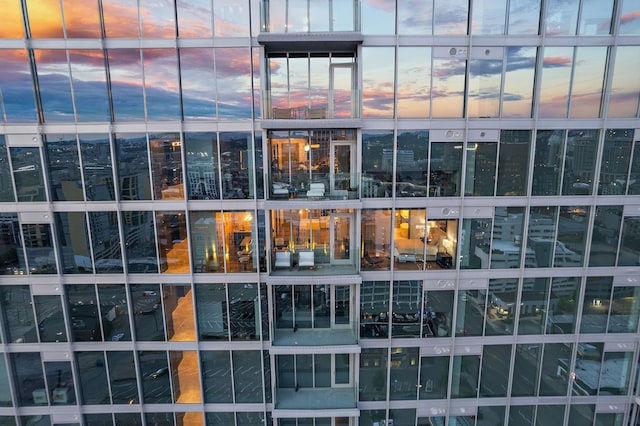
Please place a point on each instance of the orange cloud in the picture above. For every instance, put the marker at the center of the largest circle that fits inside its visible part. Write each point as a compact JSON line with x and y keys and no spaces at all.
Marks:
{"x":557,"y":61}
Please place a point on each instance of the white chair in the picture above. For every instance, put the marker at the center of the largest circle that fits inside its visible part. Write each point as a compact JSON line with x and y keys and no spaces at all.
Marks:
{"x":283,"y":259}
{"x":316,"y":190}
{"x":306,"y":259}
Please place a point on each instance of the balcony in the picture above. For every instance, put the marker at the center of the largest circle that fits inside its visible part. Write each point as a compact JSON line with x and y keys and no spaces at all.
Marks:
{"x":329,"y":398}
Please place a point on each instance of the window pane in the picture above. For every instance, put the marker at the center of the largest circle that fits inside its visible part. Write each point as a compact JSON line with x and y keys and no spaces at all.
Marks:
{"x":470,"y":312}
{"x":185,"y":377}
{"x":60,"y":383}
{"x":561,"y":317}
{"x":623,"y":317}
{"x":476,"y":240}
{"x":194,"y":19}
{"x":29,"y":379}
{"x":571,"y":238}
{"x":488,"y":17}
{"x":376,"y":234}
{"x":177,"y":301}
{"x":434,"y":376}
{"x":411,"y":164}
{"x":236,"y":165}
{"x":378,"y":76}
{"x":629,"y":25}
{"x":580,"y":162}
{"x":147,"y":311}
{"x":133,"y":167}
{"x":480,"y":177}
{"x":38,"y":245}
{"x":166,"y":166}
{"x":554,"y":85}
{"x":156,"y":382}
{"x":198,"y":83}
{"x":634,"y":177}
{"x":89,"y":84}
{"x":27,"y":174}
{"x":115,"y":314}
{"x":81,"y":18}
{"x":541,"y":236}
{"x":97,"y":167}
{"x":84,"y":313}
{"x":447,"y":88}
{"x":524,"y":16}
{"x":595,"y":306}
{"x":464,"y":380}
{"x":407,"y":297}
{"x":553,"y":382}
{"x":51,"y":325}
{"x":243,"y":311}
{"x":55,"y":85}
{"x":615,"y":374}
{"x":494,"y":370}
{"x":211,"y":304}
{"x":373,"y":374}
{"x":526,"y":368}
{"x":158,"y":18}
{"x":414,"y":76}
{"x":233,"y":80}
{"x":595,"y":17}
{"x":415,"y":17}
{"x":207,"y":242}
{"x":18,"y":99}
{"x":562,"y":18}
{"x":629,"y":252}
{"x":625,"y":87}
{"x":614,"y":166}
{"x":548,"y":162}
{"x":45,"y":18}
{"x":246,"y":376}
{"x":483,"y":98}
{"x":506,"y":246}
{"x":161,"y":83}
{"x":140,"y":242}
{"x":404,"y":373}
{"x":605,"y":236}
{"x":122,"y":377}
{"x":125,"y":69}
{"x":501,"y":306}
{"x":517,"y":98}
{"x":12,"y":254}
{"x":105,"y":240}
{"x":120,"y":18}
{"x":216,"y":376}
{"x":378,"y":17}
{"x":586,"y":91}
{"x":18,"y":316}
{"x":14,"y":26}
{"x":94,"y":388}
{"x":64,"y":168}
{"x":377,"y":163}
{"x":513,"y":165}
{"x":5,"y":389}
{"x":450,"y":18}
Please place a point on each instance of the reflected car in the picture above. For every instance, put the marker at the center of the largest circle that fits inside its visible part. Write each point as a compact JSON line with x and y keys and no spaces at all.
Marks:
{"x":159,"y":372}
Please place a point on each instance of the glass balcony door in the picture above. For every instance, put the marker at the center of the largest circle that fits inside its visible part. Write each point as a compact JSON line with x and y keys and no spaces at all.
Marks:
{"x":341,"y":239}
{"x":343,"y":167}
{"x":319,"y":306}
{"x":342,"y":89}
{"x":315,"y":371}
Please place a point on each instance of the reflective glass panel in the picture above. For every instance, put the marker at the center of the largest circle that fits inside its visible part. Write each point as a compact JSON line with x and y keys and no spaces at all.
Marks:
{"x":548,"y":162}
{"x":12,"y":254}
{"x":202,"y":166}
{"x":207,"y":242}
{"x":197,"y":83}
{"x":563,"y":305}
{"x":580,"y":162}
{"x":475,"y":243}
{"x":561,"y":18}
{"x":231,"y":18}
{"x":623,"y":315}
{"x":5,"y":389}
{"x":517,"y":97}
{"x":434,"y":377}
{"x":586,"y":91}
{"x":216,"y":376}
{"x":127,"y":93}
{"x":506,"y":246}
{"x":541,"y":236}
{"x":122,"y":377}
{"x":156,"y":377}
{"x":554,"y":85}
{"x":378,"y":17}
{"x":105,"y":240}
{"x":133,"y":166}
{"x":450,"y":18}
{"x":60,"y":383}
{"x":14,"y":26}
{"x":614,"y":165}
{"x":147,"y":312}
{"x":18,"y":315}
{"x":120,"y":18}
{"x":45,"y":18}
{"x":54,"y":82}
{"x":625,"y":87}
{"x":555,"y":358}
{"x":547,"y":414}
{"x":513,"y":164}
{"x":211,"y":307}
{"x":415,"y":17}
{"x":247,"y":379}
{"x":18,"y":100}
{"x":470,"y":312}
{"x":84,"y":313}
{"x":526,"y":368}
{"x":501,"y":306}
{"x":373,"y":374}
{"x":488,"y":17}
{"x":233,"y":80}
{"x":596,"y":304}
{"x":633,"y":186}
{"x":447,"y":88}
{"x":89,"y":81}
{"x":595,"y":17}
{"x":166,"y":166}
{"x":414,"y":76}
{"x":524,"y":16}
{"x":494,"y":371}
{"x":571,"y":237}
{"x":377,"y":164}
{"x":236,"y":165}
{"x":173,"y":244}
{"x":38,"y":245}
{"x":581,"y":414}
{"x":139,"y":240}
{"x":94,"y":387}
{"x":64,"y":168}
{"x":194,"y":19}
{"x":464,"y":381}
{"x":480,"y":177}
{"x":27,"y":174}
{"x":605,"y":236}
{"x":403,"y":375}
{"x":161,"y":82}
{"x":483,"y":97}
{"x":407,"y":300}
{"x":185,"y":377}
{"x":445,"y":169}
{"x":178,"y":312}
{"x":97,"y":167}
{"x":51,"y":325}
{"x":411,"y":164}
{"x":115,"y":312}
{"x":81,"y":18}
{"x":629,"y":24}
{"x":629,"y":251}
{"x":157,"y":18}
{"x":377,"y":77}
{"x":615,"y":374}
{"x":376,"y":232}
{"x":6,"y":183}
{"x":29,"y":379}
{"x":244,"y":311}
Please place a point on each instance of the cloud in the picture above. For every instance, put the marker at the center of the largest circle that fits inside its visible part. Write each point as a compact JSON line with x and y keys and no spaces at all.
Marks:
{"x":557,"y":62}
{"x":630,"y":17}
{"x":387,"y":6}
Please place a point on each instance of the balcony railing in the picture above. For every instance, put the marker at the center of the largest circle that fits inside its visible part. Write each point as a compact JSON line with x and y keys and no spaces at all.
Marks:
{"x":294,"y":16}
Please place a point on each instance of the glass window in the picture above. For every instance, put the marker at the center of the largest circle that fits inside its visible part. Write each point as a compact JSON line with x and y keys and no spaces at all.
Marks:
{"x":202,"y":166}
{"x":533,"y":305}
{"x":125,"y":70}
{"x":166,"y":166}
{"x":207,"y":241}
{"x":625,"y":88}
{"x":581,"y":414}
{"x":614,"y":166}
{"x":376,"y":233}
{"x":378,"y":17}
{"x":18,"y":98}
{"x":415,"y":17}
{"x":411,"y":164}
{"x":475,"y":243}
{"x":378,"y":75}
{"x":194,"y":19}
{"x":506,"y":245}
{"x":156,"y":377}
{"x":450,"y":18}
{"x":572,"y":236}
{"x":6,"y":184}
{"x":501,"y":306}
{"x":64,"y":168}
{"x":434,"y":377}
{"x":555,"y":372}
{"x":158,"y":18}
{"x":403,"y":377}
{"x":588,"y":82}
{"x":133,"y":165}
{"x":414,"y":77}
{"x":494,"y":370}
{"x":18,"y":316}
{"x":28,"y":379}
{"x":563,"y":305}
{"x":197,"y":75}
{"x":517,"y":97}
{"x":548,"y":414}
{"x":247,"y":380}
{"x":470,"y":312}
{"x":526,"y":368}
{"x":605,"y":236}
{"x":629,"y":25}
{"x":115,"y":314}
{"x":483,"y":97}
{"x":216,"y":377}
{"x":60,"y":383}
{"x":27,"y":174}
{"x":147,"y":312}
{"x":520,"y":415}
{"x":524,"y":17}
{"x":81,"y":19}
{"x":173,"y":243}
{"x":122,"y":377}
{"x":12,"y":254}
{"x":211,"y":308}
{"x":464,"y":380}
{"x":596,"y":304}
{"x":445,"y":169}
{"x":5,"y":389}
{"x":89,"y":80}
{"x":105,"y":241}
{"x":236,"y":165}
{"x":377,"y":164}
{"x":14,"y":26}
{"x":233,"y":80}
{"x":595,"y":17}
{"x":437,"y":314}
{"x":447,"y":87}
{"x":51,"y":325}
{"x":488,"y":17}
{"x":45,"y":19}
{"x":94,"y":386}
{"x":54,"y":83}
{"x":97,"y":167}
{"x":373,"y":374}
{"x":73,"y":242}
{"x":541,"y":236}
{"x":139,"y":240}
{"x":38,"y":245}
{"x":633,"y":186}
{"x":480,"y":177}
{"x":84,"y":313}
{"x":185,"y":377}
{"x":178,"y":311}
{"x":405,"y":315}
{"x":580,"y":162}
{"x":548,"y":162}
{"x":161,"y":80}
{"x":615,"y":374}
{"x":562,"y":18}
{"x":120,"y":19}
{"x":231,"y":18}
{"x":513,"y":164}
{"x":374,"y":309}
{"x":554,"y":84}
{"x":629,"y":251}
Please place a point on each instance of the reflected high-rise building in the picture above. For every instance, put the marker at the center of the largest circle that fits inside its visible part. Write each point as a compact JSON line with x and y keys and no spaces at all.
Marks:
{"x":320,"y":213}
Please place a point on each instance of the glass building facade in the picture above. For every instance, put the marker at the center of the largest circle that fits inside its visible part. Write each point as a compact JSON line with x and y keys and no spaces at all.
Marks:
{"x":320,"y":213}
